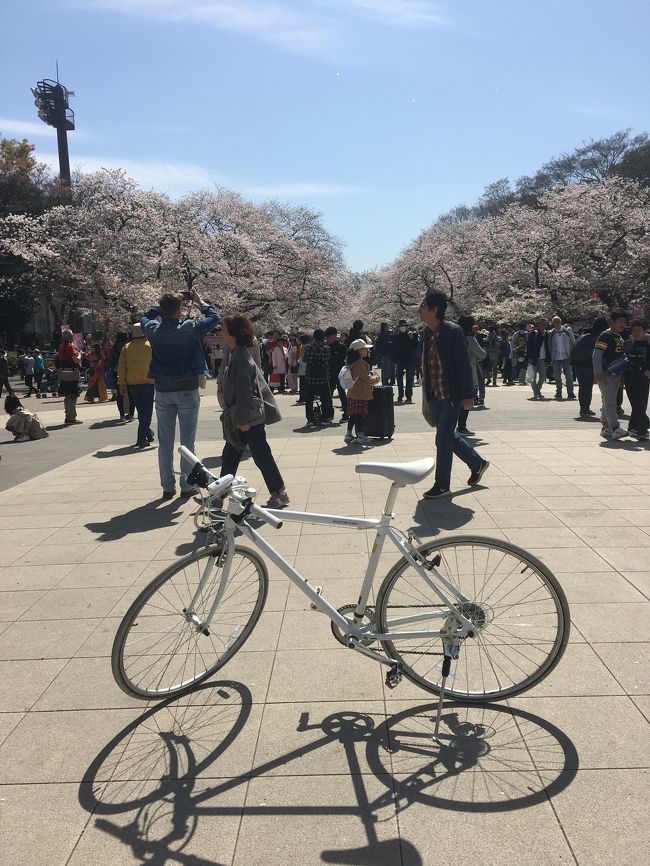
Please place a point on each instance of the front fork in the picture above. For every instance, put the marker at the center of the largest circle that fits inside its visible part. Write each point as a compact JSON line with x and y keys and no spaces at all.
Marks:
{"x":220,"y":559}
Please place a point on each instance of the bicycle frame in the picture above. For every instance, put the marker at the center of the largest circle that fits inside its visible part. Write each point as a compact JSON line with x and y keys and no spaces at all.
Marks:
{"x":355,"y":629}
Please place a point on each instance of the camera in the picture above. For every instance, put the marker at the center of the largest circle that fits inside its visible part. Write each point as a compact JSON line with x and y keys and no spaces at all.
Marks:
{"x":187,"y":296}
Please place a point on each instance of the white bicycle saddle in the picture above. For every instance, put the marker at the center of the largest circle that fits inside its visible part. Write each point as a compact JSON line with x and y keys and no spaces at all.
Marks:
{"x":401,"y":473}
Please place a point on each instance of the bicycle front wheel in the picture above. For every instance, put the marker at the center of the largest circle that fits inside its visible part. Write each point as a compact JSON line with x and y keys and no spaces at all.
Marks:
{"x":159,"y":652}
{"x":518,"y":607}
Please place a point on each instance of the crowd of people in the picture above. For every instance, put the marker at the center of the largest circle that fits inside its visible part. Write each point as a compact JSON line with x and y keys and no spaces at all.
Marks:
{"x":163,"y":363}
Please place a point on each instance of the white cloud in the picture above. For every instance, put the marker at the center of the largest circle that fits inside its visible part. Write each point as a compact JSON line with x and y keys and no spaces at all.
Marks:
{"x":174,"y":178}
{"x":312,"y":27}
{"x":178,"y":178}
{"x":26,"y":128}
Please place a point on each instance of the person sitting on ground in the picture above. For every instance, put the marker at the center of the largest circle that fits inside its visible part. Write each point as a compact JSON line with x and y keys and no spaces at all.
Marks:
{"x":25,"y":425}
{"x":360,"y":394}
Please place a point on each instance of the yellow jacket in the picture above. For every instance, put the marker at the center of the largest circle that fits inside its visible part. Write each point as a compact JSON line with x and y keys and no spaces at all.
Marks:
{"x":135,"y":357}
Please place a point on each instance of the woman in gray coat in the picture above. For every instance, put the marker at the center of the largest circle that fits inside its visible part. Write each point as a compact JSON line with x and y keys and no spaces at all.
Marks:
{"x":248,"y":407}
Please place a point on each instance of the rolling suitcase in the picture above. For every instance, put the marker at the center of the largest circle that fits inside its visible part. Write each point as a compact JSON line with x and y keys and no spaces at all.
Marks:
{"x":380,"y":422}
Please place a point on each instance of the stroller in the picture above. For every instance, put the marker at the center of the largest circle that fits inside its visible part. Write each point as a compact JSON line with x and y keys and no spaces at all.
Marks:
{"x":49,"y":384}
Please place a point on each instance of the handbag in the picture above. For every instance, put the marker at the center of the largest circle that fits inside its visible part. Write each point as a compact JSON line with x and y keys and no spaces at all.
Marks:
{"x":68,"y":375}
{"x":231,"y":434}
{"x":619,"y":366}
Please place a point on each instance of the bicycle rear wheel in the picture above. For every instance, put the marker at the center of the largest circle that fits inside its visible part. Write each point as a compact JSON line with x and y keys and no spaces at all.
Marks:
{"x":157,"y":652}
{"x":518,"y":607}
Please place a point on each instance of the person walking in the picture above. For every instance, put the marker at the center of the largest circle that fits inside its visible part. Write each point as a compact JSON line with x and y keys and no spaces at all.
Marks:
{"x":505,"y":356}
{"x":293,"y":360}
{"x":582,"y":360}
{"x":68,"y":367}
{"x":476,"y":358}
{"x":39,"y":370}
{"x":608,"y":349}
{"x":637,"y":378}
{"x":537,"y":353}
{"x":317,"y":378}
{"x":360,"y":394}
{"x":4,"y":373}
{"x":28,"y":367}
{"x":173,"y":351}
{"x":337,"y":360}
{"x":249,"y":406}
{"x":280,"y":364}
{"x":493,"y":355}
{"x":112,"y":376}
{"x":383,"y":353}
{"x":561,"y":341}
{"x":404,"y":355}
{"x":447,"y":387}
{"x":136,"y":385}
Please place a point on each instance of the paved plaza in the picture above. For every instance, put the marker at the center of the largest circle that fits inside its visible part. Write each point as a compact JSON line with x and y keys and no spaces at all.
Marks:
{"x":296,"y":753}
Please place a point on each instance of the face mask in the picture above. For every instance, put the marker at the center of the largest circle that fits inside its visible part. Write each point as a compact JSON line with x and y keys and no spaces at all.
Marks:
{"x":402,"y":329}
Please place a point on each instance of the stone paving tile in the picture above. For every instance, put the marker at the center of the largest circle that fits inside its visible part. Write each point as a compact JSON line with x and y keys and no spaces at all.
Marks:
{"x":8,"y":722}
{"x":483,"y":808}
{"x":74,"y":603}
{"x":40,"y":823}
{"x":61,"y":746}
{"x":621,"y":796}
{"x":333,"y":674}
{"x":44,"y":639}
{"x":15,"y":603}
{"x":32,"y":576}
{"x":316,"y":819}
{"x":640,"y":580}
{"x":612,"y":622}
{"x":210,"y":824}
{"x":605,"y":732}
{"x":606,"y":586}
{"x":629,"y":663}
{"x":23,"y":682}
{"x":57,"y":553}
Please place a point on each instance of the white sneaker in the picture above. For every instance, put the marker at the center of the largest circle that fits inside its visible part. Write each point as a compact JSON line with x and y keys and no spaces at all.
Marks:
{"x":362,"y":439}
{"x":349,"y":438}
{"x":619,"y":433}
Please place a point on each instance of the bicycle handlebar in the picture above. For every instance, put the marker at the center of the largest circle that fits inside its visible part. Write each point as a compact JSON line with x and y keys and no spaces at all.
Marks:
{"x":187,"y":454}
{"x":266,"y":516}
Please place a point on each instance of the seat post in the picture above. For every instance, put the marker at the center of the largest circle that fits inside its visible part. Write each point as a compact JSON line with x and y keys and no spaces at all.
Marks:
{"x":390,"y":500}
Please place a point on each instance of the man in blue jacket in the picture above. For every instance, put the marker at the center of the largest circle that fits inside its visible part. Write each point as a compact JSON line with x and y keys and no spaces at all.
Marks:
{"x":177,"y":361}
{"x":447,"y":386}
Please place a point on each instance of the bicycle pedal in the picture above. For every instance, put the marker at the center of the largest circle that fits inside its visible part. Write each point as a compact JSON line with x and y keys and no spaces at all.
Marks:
{"x":394,"y":676}
{"x":319,"y":590}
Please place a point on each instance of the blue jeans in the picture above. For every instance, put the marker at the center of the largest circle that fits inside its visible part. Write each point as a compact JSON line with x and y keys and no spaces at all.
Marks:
{"x":560,"y":367}
{"x":539,"y":376}
{"x":449,"y":442}
{"x":141,"y":400}
{"x":171,"y":405}
{"x":407,"y":367}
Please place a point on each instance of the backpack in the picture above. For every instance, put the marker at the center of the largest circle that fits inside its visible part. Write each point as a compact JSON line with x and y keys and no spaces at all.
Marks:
{"x":583,"y":349}
{"x":346,"y":379}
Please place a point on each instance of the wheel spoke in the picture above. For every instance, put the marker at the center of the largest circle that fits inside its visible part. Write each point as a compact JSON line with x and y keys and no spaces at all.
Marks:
{"x":157,"y":652}
{"x":517,"y":607}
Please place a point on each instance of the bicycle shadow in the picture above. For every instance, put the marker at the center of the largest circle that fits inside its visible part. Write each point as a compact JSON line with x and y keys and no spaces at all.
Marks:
{"x":154,"y":782}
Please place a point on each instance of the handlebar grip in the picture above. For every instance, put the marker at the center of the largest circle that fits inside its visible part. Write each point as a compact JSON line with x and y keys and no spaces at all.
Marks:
{"x":266,"y":516}
{"x":187,"y":454}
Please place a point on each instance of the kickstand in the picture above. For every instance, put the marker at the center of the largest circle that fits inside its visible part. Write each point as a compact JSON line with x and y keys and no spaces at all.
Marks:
{"x":446,"y":666}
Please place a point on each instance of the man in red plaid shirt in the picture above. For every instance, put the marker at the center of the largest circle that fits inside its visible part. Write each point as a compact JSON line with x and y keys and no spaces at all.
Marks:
{"x":447,"y":386}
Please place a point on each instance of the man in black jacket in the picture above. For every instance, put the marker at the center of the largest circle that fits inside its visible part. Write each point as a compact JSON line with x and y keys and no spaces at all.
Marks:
{"x":537,"y":356}
{"x":447,"y":386}
{"x":404,"y":355}
{"x":337,"y":360}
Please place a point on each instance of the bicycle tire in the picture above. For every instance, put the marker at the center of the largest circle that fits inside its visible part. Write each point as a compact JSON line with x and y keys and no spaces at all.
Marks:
{"x":468,"y":681}
{"x":244,"y":600}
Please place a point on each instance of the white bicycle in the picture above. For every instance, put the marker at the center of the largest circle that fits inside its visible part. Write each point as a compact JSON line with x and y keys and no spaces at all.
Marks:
{"x":480,"y":613}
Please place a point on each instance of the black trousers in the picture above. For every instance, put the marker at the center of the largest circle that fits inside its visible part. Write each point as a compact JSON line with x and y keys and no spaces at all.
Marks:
{"x":4,"y":383}
{"x":322,"y":390}
{"x":637,"y":393}
{"x":335,"y":385}
{"x":261,"y":453}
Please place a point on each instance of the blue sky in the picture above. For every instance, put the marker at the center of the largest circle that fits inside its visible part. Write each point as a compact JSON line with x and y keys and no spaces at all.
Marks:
{"x":381,"y":114}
